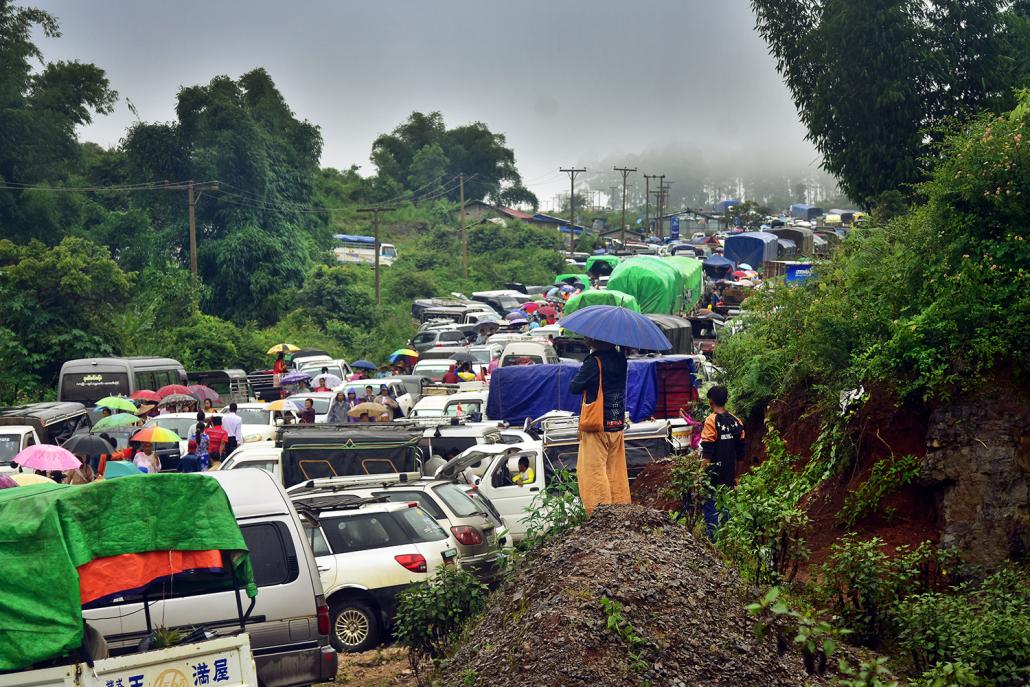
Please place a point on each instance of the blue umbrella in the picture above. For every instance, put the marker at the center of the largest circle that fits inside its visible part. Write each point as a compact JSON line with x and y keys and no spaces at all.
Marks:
{"x":364,"y":365}
{"x":620,"y":326}
{"x":515,"y":315}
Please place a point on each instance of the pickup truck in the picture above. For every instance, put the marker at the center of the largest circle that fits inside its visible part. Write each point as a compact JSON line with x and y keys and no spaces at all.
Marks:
{"x":221,"y":662}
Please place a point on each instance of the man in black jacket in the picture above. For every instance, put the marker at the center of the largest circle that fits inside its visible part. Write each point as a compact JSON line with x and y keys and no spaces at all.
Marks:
{"x":722,"y":445}
{"x":601,"y":466}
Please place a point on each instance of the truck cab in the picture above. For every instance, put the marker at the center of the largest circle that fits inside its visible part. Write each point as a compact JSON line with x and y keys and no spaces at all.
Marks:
{"x":39,"y":423}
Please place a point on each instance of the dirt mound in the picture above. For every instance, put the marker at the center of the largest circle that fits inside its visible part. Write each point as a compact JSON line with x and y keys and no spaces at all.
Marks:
{"x":682,"y":619}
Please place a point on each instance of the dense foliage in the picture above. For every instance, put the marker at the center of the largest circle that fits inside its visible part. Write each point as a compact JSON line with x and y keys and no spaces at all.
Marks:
{"x":930,"y":304}
{"x":869,"y":79}
{"x":95,"y":255}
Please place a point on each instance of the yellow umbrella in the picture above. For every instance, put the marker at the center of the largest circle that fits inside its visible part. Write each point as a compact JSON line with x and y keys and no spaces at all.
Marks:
{"x":283,"y":348}
{"x":24,"y":479}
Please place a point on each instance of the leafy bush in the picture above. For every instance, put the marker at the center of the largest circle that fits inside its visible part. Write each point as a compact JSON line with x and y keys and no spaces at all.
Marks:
{"x":872,"y":673}
{"x":864,"y":585}
{"x":690,"y":484}
{"x":814,"y":637}
{"x":430,"y":615}
{"x":555,"y":510}
{"x":985,"y":627}
{"x":762,"y":526}
{"x":956,"y":674}
{"x":887,"y":476}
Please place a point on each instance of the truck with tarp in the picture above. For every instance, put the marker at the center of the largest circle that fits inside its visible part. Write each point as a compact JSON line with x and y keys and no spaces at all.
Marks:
{"x":532,"y":391}
{"x":600,"y":297}
{"x":67,"y":548}
{"x":754,"y":248}
{"x":323,"y":451}
{"x":572,"y":279}
{"x":693,"y":273}
{"x":601,"y":265}
{"x":805,"y":211}
{"x":657,"y":285}
{"x":803,"y":238}
{"x":361,"y":250}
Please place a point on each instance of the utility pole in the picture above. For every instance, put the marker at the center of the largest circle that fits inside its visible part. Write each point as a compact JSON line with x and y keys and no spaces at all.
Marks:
{"x":611,"y":197}
{"x":375,"y":227}
{"x":193,"y":193}
{"x":659,"y":223}
{"x":647,"y":199}
{"x":572,"y":172}
{"x":625,"y":173}
{"x":464,"y":231}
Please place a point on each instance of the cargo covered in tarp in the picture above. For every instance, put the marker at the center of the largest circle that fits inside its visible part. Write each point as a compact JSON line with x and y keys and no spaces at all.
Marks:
{"x":601,"y":265}
{"x":752,"y":248}
{"x":51,"y":534}
{"x":803,"y":238}
{"x":600,"y":297}
{"x":677,"y":330}
{"x":657,"y":285}
{"x":717,"y":266}
{"x":572,"y":278}
{"x":692,"y":270}
{"x":317,"y":451}
{"x":530,"y":391}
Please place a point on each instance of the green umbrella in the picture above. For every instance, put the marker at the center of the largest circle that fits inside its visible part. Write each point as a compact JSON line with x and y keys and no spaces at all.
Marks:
{"x":120,"y":468}
{"x":119,"y":420}
{"x":116,"y":403}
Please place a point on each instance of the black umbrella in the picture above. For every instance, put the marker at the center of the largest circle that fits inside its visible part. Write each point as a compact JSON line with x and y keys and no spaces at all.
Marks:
{"x":87,"y":445}
{"x":462,"y":357}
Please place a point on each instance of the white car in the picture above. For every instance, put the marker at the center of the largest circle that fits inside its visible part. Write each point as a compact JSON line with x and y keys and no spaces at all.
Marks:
{"x":529,"y":353}
{"x":447,"y":406}
{"x":368,"y":551}
{"x":259,"y":423}
{"x":263,"y":455}
{"x":398,"y":390}
{"x":183,"y":424}
{"x":319,"y":399}
{"x":490,"y":467}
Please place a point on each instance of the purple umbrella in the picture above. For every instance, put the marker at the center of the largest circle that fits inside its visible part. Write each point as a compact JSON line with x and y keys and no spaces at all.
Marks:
{"x":295,"y":377}
{"x":517,"y":315}
{"x":518,"y":321}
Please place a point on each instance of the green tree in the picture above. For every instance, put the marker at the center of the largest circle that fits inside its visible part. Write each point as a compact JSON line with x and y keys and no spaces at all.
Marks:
{"x":39,"y":111}
{"x":870,"y":79}
{"x":428,"y":168}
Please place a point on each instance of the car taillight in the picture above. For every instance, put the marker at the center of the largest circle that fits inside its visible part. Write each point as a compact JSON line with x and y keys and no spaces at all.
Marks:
{"x":323,"y":619}
{"x":469,"y":536}
{"x":415,"y":562}
{"x":412,"y":504}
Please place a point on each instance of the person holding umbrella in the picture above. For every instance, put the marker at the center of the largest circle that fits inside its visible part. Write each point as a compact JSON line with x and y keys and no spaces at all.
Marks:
{"x":601,"y":467}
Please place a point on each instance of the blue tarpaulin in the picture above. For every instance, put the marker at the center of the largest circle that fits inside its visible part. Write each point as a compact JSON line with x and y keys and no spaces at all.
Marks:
{"x":753,"y":248}
{"x":523,"y":391}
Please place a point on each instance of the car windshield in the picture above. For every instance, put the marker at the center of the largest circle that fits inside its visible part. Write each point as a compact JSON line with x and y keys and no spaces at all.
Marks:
{"x":420,"y":526}
{"x":508,"y":302}
{"x":424,"y":337}
{"x":10,"y":444}
{"x":183,"y":426}
{"x":321,"y":404}
{"x":457,"y":500}
{"x":482,"y":355}
{"x":389,"y":251}
{"x":522,"y":360}
{"x":253,"y":416}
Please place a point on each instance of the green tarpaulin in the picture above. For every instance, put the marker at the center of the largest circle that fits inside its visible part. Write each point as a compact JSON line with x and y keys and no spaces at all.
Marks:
{"x":601,"y":265}
{"x":581,"y":278}
{"x":48,"y":530}
{"x":693,"y":273}
{"x":657,"y":285}
{"x":602,"y":297}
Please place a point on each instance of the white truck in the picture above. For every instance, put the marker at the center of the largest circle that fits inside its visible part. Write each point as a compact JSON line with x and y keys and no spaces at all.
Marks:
{"x":221,"y":662}
{"x":360,"y":250}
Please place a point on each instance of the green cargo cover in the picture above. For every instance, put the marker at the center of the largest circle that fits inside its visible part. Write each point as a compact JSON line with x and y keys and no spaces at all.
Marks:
{"x":693,"y":273}
{"x":48,"y":530}
{"x":604,"y":264}
{"x":657,"y":285}
{"x":602,"y":297}
{"x":581,"y":278}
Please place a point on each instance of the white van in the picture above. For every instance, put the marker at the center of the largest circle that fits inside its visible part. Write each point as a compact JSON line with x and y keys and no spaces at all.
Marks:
{"x":529,"y":353}
{"x":87,"y":380}
{"x":289,"y":623}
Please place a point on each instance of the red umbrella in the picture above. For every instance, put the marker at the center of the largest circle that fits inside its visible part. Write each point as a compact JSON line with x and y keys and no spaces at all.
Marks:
{"x":173,"y":389}
{"x":740,"y":274}
{"x":547,"y":311}
{"x":204,"y":393}
{"x":530,"y":307}
{"x":145,"y":395}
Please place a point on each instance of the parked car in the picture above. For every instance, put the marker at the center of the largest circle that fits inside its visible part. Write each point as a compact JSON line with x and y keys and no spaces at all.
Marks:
{"x":262,"y":455}
{"x":368,"y":551}
{"x":39,"y":423}
{"x":259,"y":423}
{"x":471,"y":530}
{"x":431,"y":338}
{"x":502,"y":301}
{"x":529,"y":353}
{"x":431,"y":370}
{"x":319,"y":399}
{"x":289,"y":625}
{"x":469,"y":403}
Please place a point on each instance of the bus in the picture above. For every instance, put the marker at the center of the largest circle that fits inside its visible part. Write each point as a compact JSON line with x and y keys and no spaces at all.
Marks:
{"x":360,"y":250}
{"x":87,"y":380}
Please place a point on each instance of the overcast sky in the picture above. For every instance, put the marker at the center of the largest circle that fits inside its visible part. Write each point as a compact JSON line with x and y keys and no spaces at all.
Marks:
{"x":568,"y":81}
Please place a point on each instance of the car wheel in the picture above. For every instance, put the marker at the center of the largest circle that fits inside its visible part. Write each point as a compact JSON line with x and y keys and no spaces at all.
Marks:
{"x":355,"y":626}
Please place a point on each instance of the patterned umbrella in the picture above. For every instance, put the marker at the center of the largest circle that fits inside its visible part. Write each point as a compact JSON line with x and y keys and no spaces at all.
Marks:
{"x":204,"y":393}
{"x":174,"y":399}
{"x":155,"y":435}
{"x":173,"y":389}
{"x":295,"y":377}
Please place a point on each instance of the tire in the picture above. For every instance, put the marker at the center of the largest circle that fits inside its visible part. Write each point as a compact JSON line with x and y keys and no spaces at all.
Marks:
{"x":354,"y":627}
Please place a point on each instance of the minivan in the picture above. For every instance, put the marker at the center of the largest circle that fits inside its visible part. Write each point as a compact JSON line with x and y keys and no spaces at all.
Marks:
{"x":87,"y":380}
{"x":289,"y":624}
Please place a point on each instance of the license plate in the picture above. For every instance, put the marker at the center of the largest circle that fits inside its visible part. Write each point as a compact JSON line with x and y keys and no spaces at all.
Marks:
{"x":450,"y":556}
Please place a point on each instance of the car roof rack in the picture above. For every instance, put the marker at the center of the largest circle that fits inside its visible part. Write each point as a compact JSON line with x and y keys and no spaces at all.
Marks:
{"x":312,"y":507}
{"x":331,"y":485}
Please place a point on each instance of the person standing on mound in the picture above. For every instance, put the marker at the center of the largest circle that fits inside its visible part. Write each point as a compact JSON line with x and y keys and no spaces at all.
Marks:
{"x":601,"y":466}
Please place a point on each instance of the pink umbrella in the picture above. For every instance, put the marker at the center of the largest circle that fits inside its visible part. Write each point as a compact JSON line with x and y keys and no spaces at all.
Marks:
{"x":47,"y":457}
{"x":204,"y":393}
